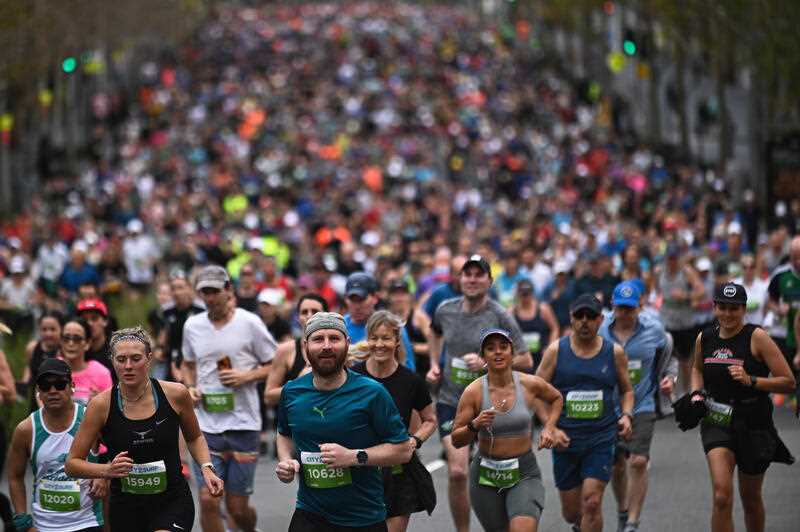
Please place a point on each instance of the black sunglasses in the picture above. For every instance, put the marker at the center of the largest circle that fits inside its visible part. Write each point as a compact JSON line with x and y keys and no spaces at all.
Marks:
{"x":60,"y":385}
{"x":72,"y":338}
{"x":585,"y":315}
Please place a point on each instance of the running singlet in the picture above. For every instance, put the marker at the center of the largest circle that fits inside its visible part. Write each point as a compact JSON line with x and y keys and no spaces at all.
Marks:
{"x":298,"y":364}
{"x":588,"y":386}
{"x":720,"y":354}
{"x":535,"y":331}
{"x":152,"y":443}
{"x":59,"y":499}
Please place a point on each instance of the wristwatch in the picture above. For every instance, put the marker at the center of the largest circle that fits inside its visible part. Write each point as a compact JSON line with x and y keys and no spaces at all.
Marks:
{"x":753,"y":380}
{"x":362,"y":457}
{"x":418,"y":440}
{"x":210,"y":466}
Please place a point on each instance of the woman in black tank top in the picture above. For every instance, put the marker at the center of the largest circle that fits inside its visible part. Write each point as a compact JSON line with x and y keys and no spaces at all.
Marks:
{"x":47,"y":346}
{"x":536,"y":320}
{"x":139,"y":421}
{"x":731,"y":373}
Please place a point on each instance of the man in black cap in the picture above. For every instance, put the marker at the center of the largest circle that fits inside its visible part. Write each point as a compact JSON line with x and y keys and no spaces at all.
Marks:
{"x":457,"y":323}
{"x":360,"y":298}
{"x":588,"y":370}
{"x":59,"y":501}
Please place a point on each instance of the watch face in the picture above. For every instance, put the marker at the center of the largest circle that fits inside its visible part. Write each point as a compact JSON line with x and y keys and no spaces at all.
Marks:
{"x":361,"y":456}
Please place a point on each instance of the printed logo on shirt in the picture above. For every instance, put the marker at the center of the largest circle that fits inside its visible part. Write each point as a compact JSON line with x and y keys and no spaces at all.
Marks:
{"x":320,"y":411}
{"x":723,"y":355}
{"x":142,"y":440}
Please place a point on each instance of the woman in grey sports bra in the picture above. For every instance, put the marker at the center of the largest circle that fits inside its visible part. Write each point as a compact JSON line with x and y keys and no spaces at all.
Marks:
{"x":505,"y":482}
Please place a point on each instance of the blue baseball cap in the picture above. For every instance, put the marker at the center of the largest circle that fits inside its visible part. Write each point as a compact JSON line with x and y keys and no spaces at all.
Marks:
{"x":626,"y":294}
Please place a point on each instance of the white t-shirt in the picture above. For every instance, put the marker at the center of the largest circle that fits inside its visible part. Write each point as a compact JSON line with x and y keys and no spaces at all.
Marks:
{"x":756,"y":300}
{"x":139,"y":254}
{"x":247,"y":342}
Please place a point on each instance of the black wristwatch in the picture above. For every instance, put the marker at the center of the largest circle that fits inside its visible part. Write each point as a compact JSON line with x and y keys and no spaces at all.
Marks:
{"x":419,"y":441}
{"x":472,"y":427}
{"x":753,"y":380}
{"x":362,"y":457}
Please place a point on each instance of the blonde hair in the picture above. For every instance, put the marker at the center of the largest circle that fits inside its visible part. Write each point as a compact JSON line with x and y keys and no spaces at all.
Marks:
{"x":393,"y":322}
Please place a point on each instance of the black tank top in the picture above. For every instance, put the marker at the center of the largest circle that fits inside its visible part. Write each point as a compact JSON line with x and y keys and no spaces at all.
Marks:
{"x":535,"y":325}
{"x":719,"y":354}
{"x":146,"y":440}
{"x":414,"y":334}
{"x":38,"y":356}
{"x":298,"y":364}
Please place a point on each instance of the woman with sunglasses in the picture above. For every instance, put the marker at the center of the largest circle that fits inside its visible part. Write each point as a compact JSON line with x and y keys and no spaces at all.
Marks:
{"x":89,"y":376}
{"x":59,"y":502}
{"x":505,"y":483}
{"x":139,"y":419}
{"x":735,"y":368}
{"x":589,"y":371}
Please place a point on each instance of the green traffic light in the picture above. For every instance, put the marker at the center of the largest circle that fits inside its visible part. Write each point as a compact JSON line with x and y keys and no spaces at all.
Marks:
{"x":629,"y":47}
{"x":69,"y":65}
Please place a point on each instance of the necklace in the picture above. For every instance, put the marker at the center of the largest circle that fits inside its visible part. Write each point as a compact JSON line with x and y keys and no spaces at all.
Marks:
{"x":125,"y":399}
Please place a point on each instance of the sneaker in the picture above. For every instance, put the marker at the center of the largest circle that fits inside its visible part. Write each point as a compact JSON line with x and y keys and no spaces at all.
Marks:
{"x":631,"y":527}
{"x":622,"y":521}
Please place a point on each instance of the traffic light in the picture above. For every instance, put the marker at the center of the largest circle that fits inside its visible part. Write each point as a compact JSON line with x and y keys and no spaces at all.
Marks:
{"x":629,"y":45}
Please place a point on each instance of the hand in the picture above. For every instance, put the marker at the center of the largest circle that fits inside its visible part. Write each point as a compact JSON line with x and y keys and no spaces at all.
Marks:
{"x":666,"y":386}
{"x":547,"y":438}
{"x":233,"y":378}
{"x":98,"y":488}
{"x":214,"y":484}
{"x":434,"y":374}
{"x":474,"y":362}
{"x":562,"y":441}
{"x":286,"y":470}
{"x":738,"y":374}
{"x":195,"y":394}
{"x":624,"y":424}
{"x":334,"y":455}
{"x":120,"y":466}
{"x":484,"y":419}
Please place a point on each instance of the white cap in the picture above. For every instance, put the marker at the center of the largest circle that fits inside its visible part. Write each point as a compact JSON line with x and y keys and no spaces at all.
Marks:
{"x":703,"y":264}
{"x":734,"y":228}
{"x":16,"y":265}
{"x":271,"y":296}
{"x":560,"y":266}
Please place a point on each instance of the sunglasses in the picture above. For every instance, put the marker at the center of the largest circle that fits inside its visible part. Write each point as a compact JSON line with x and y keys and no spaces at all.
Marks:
{"x":60,"y":385}
{"x":585,"y":315}
{"x":66,"y":338}
{"x":207,"y":291}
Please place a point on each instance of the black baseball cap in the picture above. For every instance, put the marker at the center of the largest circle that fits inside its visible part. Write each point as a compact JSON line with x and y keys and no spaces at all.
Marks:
{"x":54,"y":366}
{"x":587,"y":302}
{"x":398,"y":285}
{"x":360,"y":284}
{"x":730,"y":293}
{"x":478,"y":261}
{"x":524,"y":286}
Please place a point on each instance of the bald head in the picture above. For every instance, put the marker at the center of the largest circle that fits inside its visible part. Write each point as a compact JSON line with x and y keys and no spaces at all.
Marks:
{"x":794,"y":253}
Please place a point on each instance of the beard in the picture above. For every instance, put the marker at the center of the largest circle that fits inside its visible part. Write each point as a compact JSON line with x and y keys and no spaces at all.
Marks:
{"x":325,"y":368}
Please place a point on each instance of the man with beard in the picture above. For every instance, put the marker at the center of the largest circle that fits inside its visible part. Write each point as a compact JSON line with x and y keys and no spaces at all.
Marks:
{"x":457,"y":324}
{"x":344,"y":427}
{"x":226,"y":352}
{"x":589,"y":371}
{"x":59,"y":502}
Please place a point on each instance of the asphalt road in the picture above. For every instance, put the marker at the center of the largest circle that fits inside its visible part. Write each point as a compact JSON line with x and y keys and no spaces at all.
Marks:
{"x":679,"y":497}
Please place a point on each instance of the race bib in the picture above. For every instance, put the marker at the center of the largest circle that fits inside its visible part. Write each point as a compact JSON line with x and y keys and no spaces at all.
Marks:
{"x":585,"y":405}
{"x":220,"y":400}
{"x":719,"y":413}
{"x":461,"y":374}
{"x":533,"y":340}
{"x":318,"y":475}
{"x":146,"y":479}
{"x":60,"y":495}
{"x":635,"y":371}
{"x":498,"y":473}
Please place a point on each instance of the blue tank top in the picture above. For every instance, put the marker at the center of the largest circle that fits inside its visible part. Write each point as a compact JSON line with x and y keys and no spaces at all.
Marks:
{"x":587,"y":385}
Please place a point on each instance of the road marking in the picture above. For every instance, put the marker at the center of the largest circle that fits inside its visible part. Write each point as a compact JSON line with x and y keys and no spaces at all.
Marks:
{"x":436,"y":464}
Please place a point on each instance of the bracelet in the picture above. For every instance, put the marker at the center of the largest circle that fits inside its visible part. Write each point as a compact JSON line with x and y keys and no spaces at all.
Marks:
{"x":22,"y":521}
{"x":210,"y":466}
{"x":628,"y":414}
{"x":418,"y":440}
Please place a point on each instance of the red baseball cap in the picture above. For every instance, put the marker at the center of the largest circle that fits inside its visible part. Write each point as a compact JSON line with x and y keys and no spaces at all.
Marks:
{"x":93,"y":304}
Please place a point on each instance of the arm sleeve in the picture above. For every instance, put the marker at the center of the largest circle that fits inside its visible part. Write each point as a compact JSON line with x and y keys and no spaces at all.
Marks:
{"x":282,"y":419}
{"x":386,"y":419}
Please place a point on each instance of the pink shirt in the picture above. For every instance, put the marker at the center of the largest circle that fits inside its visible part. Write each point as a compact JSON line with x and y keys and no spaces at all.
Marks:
{"x":93,"y":379}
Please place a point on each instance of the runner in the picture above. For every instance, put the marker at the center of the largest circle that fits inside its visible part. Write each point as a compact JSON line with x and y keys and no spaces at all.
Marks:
{"x":95,"y":312}
{"x":289,"y":362}
{"x":457,"y":323}
{"x":45,"y":346}
{"x":139,"y":421}
{"x":410,"y":394}
{"x":89,"y":377}
{"x":401,"y":303}
{"x":344,"y":427}
{"x":588,"y":370}
{"x":184,"y":305}
{"x":505,"y":482}
{"x":645,"y":343}
{"x":59,"y":502}
{"x":784,"y":302}
{"x":536,"y":320}
{"x":731,"y":373}
{"x":226,"y":352}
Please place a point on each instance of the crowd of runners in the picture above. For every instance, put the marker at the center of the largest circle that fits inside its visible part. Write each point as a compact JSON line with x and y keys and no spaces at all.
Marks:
{"x":418,"y":226}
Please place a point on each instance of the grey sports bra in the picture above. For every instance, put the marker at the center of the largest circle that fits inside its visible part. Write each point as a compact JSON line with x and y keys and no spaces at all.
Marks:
{"x":516,"y":422}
